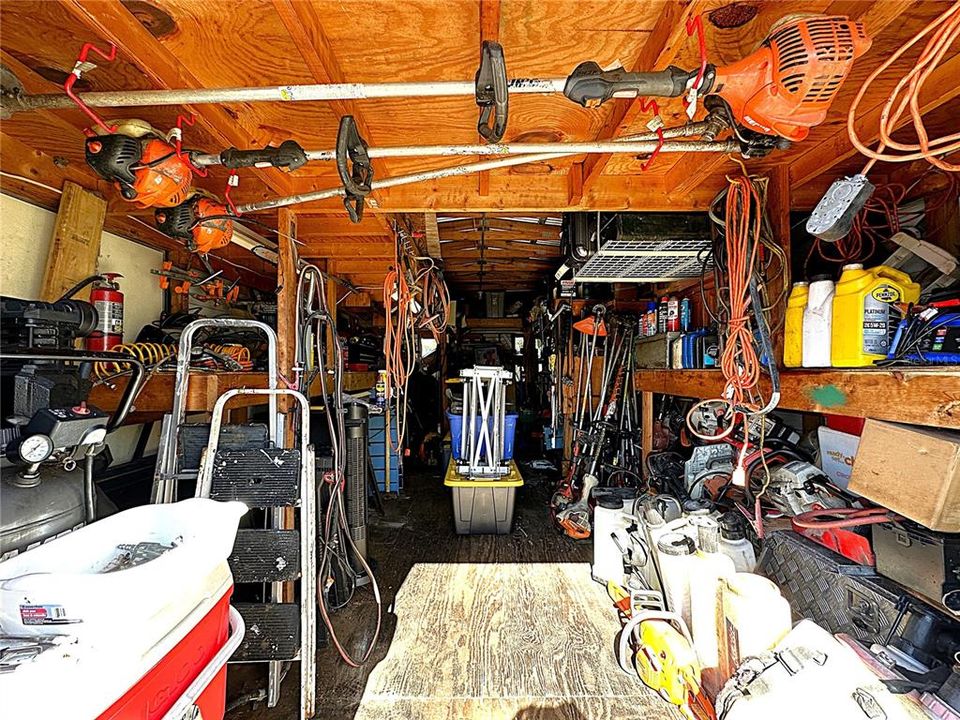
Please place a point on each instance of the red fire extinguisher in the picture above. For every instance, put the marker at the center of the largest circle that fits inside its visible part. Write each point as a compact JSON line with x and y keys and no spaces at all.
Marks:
{"x":108,"y":300}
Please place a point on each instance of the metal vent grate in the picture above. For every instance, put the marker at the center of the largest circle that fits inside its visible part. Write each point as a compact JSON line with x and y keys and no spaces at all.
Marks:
{"x":646,"y":260}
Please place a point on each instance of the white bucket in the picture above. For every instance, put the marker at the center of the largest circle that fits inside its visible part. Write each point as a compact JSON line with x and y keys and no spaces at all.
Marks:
{"x":66,"y":587}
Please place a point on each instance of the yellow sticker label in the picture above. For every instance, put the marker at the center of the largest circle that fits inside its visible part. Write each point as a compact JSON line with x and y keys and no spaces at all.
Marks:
{"x":886,"y":294}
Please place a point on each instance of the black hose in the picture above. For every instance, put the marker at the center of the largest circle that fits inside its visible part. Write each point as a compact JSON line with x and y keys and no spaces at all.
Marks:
{"x":89,"y":489}
{"x":80,"y":286}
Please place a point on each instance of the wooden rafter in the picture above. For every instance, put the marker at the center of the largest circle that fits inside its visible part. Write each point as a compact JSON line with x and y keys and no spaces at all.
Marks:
{"x":115,"y":23}
{"x":305,"y":27}
{"x":432,"y":235}
{"x":658,"y":51}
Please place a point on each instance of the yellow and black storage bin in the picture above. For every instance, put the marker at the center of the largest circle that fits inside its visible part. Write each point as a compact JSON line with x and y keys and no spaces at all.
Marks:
{"x":483,"y":506}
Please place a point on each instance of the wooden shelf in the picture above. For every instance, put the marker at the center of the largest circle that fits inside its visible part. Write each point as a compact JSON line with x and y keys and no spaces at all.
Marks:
{"x":157,"y":396}
{"x":922,"y":396}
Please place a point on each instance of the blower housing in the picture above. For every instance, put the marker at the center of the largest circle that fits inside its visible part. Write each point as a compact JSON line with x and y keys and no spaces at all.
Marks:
{"x":147,"y":171}
{"x":188,"y":221}
{"x":787,"y":85}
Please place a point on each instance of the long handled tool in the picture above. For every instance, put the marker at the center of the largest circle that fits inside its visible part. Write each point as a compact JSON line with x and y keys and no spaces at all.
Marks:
{"x":782,"y":88}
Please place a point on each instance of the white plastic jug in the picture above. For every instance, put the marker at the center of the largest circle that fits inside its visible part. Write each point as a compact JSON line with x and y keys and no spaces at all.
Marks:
{"x":734,"y":543}
{"x":91,"y":584}
{"x":755,"y":617}
{"x":675,"y":551}
{"x":610,"y":539}
{"x":817,"y":323}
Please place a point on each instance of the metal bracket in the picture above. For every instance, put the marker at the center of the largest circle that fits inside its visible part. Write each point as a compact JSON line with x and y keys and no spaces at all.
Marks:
{"x":492,"y":93}
{"x":353,"y":166}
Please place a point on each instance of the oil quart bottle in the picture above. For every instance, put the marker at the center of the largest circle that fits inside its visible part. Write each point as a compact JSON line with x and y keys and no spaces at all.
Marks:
{"x":793,"y":325}
{"x":817,"y":319}
{"x":865,"y":313}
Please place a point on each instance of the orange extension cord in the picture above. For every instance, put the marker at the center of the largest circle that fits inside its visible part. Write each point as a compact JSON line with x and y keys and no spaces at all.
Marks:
{"x":739,"y":362}
{"x":906,"y":94}
{"x":401,"y":287}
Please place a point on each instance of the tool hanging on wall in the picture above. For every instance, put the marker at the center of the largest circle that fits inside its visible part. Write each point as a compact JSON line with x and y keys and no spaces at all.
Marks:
{"x":202,"y":286}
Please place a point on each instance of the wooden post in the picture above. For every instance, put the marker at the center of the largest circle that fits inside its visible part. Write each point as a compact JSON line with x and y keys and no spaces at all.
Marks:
{"x":287,"y":292}
{"x":286,"y":340}
{"x":778,"y":207}
{"x":646,"y":429}
{"x":76,"y":242}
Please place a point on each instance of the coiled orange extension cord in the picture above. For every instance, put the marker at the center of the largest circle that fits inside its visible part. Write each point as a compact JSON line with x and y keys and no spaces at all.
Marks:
{"x":906,"y":94}
{"x":739,"y":362}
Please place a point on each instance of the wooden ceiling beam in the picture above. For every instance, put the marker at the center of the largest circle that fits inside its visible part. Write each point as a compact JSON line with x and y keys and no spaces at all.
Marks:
{"x":347,"y":250}
{"x":432,"y":236}
{"x":114,"y":23}
{"x":658,"y":51}
{"x":339,"y":226}
{"x":457,"y":228}
{"x":305,"y":27}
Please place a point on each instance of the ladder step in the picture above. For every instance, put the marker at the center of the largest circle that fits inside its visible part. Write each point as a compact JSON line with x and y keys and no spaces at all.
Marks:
{"x":273,"y":632}
{"x":193,"y":440}
{"x":259,"y":478}
{"x":265,"y":556}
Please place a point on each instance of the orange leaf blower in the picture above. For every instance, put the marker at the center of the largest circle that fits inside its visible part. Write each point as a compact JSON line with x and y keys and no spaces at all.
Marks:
{"x":782,"y":89}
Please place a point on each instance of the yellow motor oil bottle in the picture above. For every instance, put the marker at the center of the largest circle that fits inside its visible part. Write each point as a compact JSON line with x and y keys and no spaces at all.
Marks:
{"x":863,"y":322}
{"x":793,"y":325}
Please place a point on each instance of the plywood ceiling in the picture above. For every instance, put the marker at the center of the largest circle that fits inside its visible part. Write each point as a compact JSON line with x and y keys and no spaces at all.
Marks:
{"x":188,"y":43}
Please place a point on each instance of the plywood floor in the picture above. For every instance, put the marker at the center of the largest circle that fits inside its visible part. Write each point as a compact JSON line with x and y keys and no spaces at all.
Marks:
{"x":504,"y":640}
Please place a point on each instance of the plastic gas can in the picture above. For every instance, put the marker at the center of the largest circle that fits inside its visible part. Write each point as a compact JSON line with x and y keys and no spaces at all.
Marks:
{"x":863,"y":321}
{"x":793,"y":327}
{"x":817,"y":318}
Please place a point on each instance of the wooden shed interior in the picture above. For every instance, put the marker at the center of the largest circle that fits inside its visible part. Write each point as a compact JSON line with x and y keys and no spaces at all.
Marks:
{"x":489,"y":257}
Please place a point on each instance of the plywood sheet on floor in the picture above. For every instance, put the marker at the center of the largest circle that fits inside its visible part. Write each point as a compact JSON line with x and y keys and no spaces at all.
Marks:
{"x":503,"y":640}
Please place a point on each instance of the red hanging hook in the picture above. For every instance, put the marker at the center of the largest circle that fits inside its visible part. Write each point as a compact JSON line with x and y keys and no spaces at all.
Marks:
{"x":232,"y":181}
{"x":651,"y":104}
{"x":78,"y":69}
{"x":695,"y":26}
{"x":178,"y":143}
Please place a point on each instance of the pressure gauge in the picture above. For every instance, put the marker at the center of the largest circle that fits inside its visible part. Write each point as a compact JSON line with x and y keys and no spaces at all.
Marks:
{"x":36,"y":449}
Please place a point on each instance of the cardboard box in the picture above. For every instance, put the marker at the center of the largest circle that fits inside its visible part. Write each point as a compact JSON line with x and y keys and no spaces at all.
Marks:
{"x":837,"y":453}
{"x":912,"y":470}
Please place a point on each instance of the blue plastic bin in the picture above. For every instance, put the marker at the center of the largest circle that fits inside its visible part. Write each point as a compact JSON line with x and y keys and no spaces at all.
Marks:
{"x":509,"y":430}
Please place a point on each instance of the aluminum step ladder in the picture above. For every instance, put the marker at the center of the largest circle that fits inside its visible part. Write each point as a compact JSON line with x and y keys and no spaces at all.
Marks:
{"x":273,"y":478}
{"x":182,"y":443}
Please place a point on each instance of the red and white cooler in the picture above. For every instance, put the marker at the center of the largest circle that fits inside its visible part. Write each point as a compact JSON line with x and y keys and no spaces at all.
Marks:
{"x":126,"y":619}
